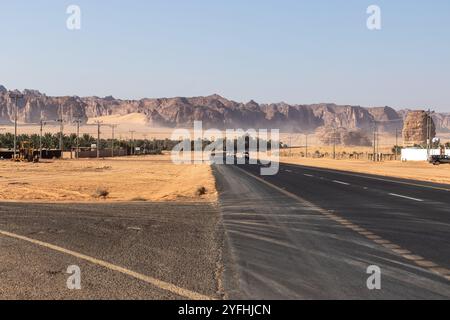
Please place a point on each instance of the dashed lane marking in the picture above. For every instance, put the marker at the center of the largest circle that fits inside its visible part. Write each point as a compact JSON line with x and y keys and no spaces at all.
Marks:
{"x":405,"y":197}
{"x":341,"y":182}
{"x":367,"y":177}
{"x":152,"y":281}
{"x":399,"y":251}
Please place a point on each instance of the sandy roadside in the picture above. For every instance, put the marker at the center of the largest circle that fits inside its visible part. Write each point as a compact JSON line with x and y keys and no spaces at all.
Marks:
{"x":152,"y":178}
{"x":408,"y":170}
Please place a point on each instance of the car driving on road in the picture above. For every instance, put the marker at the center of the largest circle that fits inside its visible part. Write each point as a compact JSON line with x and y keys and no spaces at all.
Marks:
{"x":437,"y":160}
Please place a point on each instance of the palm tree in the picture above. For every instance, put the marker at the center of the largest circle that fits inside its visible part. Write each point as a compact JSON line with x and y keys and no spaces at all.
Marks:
{"x":47,"y":141}
{"x":7,"y":140}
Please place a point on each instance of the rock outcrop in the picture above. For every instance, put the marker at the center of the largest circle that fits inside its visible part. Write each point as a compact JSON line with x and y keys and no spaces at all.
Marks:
{"x":442,"y":122}
{"x":388,"y":120}
{"x":418,"y":125}
{"x":215,"y":112}
{"x":342,"y":136}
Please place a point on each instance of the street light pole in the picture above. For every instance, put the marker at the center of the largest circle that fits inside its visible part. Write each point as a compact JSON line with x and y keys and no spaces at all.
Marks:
{"x":15,"y":96}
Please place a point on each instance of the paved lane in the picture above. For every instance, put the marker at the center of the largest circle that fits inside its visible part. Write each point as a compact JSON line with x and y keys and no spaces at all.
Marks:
{"x":286,"y":248}
{"x":412,"y":214}
{"x":168,"y":251}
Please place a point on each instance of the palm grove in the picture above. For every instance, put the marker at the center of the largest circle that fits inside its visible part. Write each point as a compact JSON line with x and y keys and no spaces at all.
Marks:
{"x":70,"y":142}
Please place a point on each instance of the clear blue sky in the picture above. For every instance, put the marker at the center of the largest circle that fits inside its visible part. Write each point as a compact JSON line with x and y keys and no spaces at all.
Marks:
{"x":270,"y":51}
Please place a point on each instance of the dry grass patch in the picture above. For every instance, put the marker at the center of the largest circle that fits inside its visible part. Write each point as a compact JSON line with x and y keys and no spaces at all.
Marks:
{"x":152,"y":178}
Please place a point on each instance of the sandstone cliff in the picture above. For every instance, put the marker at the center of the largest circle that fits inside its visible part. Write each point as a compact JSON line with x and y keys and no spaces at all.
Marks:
{"x":215,"y":112}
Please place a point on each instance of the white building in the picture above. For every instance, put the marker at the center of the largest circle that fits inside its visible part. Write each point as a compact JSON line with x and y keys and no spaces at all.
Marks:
{"x":416,"y":154}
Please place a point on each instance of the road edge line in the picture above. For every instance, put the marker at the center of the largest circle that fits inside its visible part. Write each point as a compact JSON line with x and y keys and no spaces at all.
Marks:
{"x":150,"y":280}
{"x":437,"y":270}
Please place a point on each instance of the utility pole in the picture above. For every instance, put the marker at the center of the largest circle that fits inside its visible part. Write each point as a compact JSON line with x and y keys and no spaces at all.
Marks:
{"x":61,"y":128}
{"x":334,"y":142}
{"x":99,"y":125}
{"x":306,"y":138}
{"x":132,"y":142}
{"x":290,"y":145}
{"x":40,"y":138}
{"x":113,"y":127}
{"x":41,"y":131}
{"x":146,"y":143}
{"x":77,"y":141}
{"x":15,"y":96}
{"x":378,"y":144}
{"x":375,"y":129}
{"x":428,"y":133}
{"x":396,"y":144}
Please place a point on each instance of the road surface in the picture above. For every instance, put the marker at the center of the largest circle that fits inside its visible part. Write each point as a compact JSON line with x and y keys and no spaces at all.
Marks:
{"x":124,"y":251}
{"x":311,"y":233}
{"x":305,"y":233}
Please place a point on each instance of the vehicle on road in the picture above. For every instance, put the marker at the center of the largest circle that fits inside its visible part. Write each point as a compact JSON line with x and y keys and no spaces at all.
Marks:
{"x":437,"y":160}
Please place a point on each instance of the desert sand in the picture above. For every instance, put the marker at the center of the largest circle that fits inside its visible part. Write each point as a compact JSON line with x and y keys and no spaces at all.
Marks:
{"x":151,"y":178}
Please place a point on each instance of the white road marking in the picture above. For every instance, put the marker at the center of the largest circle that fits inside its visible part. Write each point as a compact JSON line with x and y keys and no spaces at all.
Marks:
{"x":362,"y":175}
{"x":155,"y":282}
{"x":340,"y":182}
{"x":309,"y":175}
{"x":134,"y":228}
{"x":405,"y":197}
{"x":443,"y":272}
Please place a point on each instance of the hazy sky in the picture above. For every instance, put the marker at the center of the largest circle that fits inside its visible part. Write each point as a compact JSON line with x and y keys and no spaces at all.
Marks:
{"x":270,"y":51}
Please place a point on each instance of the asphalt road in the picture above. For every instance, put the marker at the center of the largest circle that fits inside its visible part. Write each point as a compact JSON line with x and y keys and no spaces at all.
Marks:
{"x":311,"y":233}
{"x":124,"y":251}
{"x":305,"y":233}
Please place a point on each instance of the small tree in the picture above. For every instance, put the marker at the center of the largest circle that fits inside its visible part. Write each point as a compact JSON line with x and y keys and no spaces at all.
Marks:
{"x":396,"y":149}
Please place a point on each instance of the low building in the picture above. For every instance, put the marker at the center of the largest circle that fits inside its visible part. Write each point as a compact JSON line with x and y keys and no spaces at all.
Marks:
{"x":419,"y":154}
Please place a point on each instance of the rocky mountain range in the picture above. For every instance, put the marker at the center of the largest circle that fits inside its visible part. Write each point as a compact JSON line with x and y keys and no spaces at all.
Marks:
{"x":215,"y":112}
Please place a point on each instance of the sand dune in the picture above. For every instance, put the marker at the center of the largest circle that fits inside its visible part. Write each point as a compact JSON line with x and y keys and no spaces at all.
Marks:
{"x":132,"y":118}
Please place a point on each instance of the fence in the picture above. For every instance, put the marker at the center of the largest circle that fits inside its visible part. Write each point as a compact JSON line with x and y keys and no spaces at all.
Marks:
{"x":105,"y":153}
